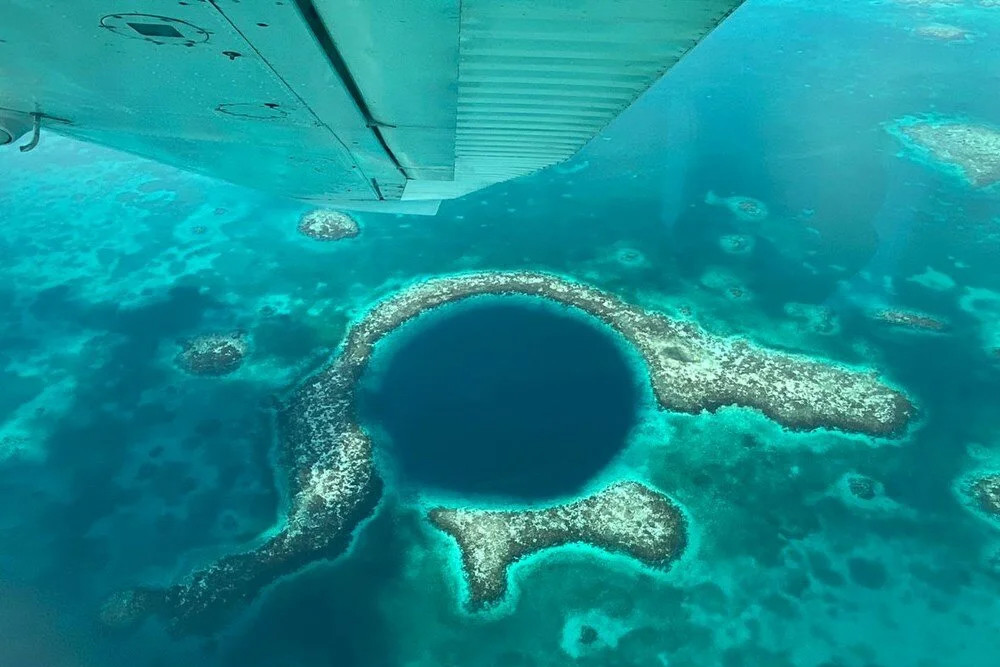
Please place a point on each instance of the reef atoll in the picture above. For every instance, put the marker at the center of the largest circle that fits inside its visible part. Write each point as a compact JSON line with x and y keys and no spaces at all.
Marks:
{"x":626,"y":518}
{"x":324,"y":225}
{"x":212,"y":354}
{"x":972,"y":149}
{"x":333,"y":484}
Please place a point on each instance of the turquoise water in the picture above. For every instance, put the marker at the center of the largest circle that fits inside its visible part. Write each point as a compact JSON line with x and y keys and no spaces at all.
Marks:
{"x":117,"y":469}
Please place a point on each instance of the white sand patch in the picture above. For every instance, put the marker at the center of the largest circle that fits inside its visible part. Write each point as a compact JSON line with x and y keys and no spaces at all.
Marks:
{"x":933,"y":279}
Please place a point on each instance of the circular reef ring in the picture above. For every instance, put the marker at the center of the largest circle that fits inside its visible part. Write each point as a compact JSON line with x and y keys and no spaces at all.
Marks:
{"x":333,"y":482}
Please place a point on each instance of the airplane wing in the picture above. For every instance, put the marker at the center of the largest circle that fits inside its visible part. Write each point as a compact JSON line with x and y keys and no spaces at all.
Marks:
{"x":380,"y":104}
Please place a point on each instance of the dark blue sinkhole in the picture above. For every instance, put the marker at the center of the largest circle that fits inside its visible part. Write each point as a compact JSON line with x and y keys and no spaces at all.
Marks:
{"x":502,"y":396}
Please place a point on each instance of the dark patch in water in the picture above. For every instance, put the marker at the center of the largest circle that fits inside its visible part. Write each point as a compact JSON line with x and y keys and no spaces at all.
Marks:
{"x":867,"y":573}
{"x":510,"y":399}
{"x":329,"y":614}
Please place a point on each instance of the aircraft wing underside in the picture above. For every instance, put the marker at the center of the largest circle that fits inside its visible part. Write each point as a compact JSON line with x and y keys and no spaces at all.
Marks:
{"x":346,"y":102}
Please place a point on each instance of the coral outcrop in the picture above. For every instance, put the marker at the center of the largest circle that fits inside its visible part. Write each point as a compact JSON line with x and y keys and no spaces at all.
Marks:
{"x":323,"y":225}
{"x":973,"y":149}
{"x":212,"y":354}
{"x":626,"y":518}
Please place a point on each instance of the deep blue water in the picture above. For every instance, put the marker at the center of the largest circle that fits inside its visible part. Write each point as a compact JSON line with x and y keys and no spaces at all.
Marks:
{"x":517,"y":400}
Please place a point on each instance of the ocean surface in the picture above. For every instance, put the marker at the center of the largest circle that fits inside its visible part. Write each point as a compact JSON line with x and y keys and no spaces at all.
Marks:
{"x":119,"y":469}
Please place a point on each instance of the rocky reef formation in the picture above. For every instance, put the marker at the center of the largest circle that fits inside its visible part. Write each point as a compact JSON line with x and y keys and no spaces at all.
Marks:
{"x":747,"y":209}
{"x":911,"y":320}
{"x":626,"y":518}
{"x":972,"y":149}
{"x":212,"y":354}
{"x":943,"y":32}
{"x":324,"y":225}
{"x":328,"y":459}
{"x":985,"y":491}
{"x":862,"y":487}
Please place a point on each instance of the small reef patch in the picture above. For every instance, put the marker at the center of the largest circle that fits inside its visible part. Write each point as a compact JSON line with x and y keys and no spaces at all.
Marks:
{"x":862,"y":487}
{"x":867,"y":495}
{"x":747,"y":209}
{"x":625,"y":518}
{"x":815,"y":318}
{"x":982,"y":494}
{"x":631,"y":258}
{"x":724,"y":283}
{"x":328,"y":462}
{"x":911,"y":320}
{"x":969,"y":149}
{"x":943,"y":32}
{"x":590,"y":632}
{"x":324,"y":225}
{"x":212,"y":354}
{"x":737,"y":244}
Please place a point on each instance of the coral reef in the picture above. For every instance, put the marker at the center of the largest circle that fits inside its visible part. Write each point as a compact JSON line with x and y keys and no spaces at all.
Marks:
{"x":910,"y":320}
{"x":724,"y":283}
{"x":736,"y":244}
{"x":212,"y":354}
{"x":862,"y":487}
{"x":815,"y":318}
{"x":946,"y":33}
{"x":972,"y":149}
{"x":985,"y":491}
{"x":747,"y":209}
{"x":328,"y":458}
{"x":324,"y":225}
{"x":931,"y":3}
{"x":979,"y":489}
{"x":631,"y":258}
{"x":587,"y":633}
{"x":126,"y":608}
{"x":626,"y":518}
{"x":867,"y":495}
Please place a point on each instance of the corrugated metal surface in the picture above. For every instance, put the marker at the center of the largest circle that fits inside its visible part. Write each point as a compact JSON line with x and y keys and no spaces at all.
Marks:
{"x":435,"y":98}
{"x":537,"y":79}
{"x":251,"y":99}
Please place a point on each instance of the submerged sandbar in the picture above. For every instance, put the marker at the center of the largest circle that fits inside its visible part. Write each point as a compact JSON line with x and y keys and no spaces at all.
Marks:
{"x":328,"y":458}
